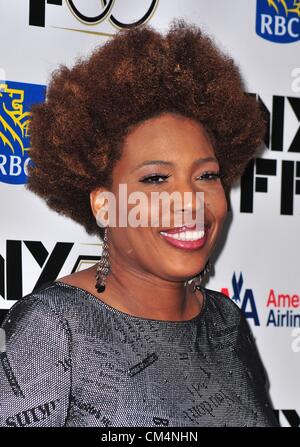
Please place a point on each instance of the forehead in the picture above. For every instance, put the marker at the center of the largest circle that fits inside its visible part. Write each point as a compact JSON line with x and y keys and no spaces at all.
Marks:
{"x":170,"y":136}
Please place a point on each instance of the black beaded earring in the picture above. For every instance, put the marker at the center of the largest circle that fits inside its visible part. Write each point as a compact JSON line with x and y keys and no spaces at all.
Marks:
{"x":198,"y":278}
{"x":103,"y":266}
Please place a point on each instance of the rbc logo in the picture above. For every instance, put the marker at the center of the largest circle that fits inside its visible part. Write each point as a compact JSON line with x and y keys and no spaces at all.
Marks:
{"x":15,"y":101}
{"x":278,"y":20}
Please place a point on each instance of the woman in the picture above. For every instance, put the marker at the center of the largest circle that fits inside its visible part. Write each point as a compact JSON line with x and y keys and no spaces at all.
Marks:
{"x":137,"y":340}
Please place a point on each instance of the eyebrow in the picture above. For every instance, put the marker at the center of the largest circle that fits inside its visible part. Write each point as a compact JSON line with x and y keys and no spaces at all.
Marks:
{"x":197,"y":162}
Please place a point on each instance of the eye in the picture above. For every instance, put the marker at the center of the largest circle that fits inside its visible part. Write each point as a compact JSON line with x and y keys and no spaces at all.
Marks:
{"x":154,"y":178}
{"x":210,"y":175}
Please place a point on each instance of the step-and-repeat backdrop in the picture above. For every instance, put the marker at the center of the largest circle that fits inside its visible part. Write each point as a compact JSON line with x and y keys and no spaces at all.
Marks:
{"x":256,"y":263}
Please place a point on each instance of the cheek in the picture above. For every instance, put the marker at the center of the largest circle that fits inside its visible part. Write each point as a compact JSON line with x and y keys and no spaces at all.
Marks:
{"x":216,"y":203}
{"x":137,"y":247}
{"x":129,"y":244}
{"x":132,"y":208}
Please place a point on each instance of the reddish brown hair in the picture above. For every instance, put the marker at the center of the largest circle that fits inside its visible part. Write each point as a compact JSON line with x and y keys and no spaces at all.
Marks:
{"x":77,"y":133}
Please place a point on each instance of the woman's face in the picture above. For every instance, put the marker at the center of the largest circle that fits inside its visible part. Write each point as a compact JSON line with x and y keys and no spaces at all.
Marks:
{"x":177,"y":141}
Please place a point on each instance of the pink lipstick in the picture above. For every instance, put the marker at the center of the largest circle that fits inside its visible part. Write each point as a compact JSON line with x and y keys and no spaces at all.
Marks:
{"x":186,"y":237}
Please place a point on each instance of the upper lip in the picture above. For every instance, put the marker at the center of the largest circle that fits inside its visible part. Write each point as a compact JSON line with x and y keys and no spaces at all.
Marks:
{"x":191,"y":227}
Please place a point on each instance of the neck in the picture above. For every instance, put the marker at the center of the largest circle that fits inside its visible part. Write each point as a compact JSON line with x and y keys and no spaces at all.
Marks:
{"x":149,"y":296}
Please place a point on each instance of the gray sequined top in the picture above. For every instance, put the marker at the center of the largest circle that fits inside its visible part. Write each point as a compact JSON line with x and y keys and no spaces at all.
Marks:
{"x":73,"y":360}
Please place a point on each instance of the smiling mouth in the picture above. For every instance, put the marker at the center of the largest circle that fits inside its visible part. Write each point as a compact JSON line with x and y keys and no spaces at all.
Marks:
{"x":186,"y":237}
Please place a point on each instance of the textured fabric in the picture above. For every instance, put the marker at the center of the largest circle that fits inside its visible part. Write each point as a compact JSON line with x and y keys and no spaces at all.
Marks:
{"x":73,"y":360}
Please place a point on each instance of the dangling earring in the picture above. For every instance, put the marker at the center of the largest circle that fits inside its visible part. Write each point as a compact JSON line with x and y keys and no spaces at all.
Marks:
{"x":201,"y":275}
{"x":198,"y":278}
{"x":103,"y":266}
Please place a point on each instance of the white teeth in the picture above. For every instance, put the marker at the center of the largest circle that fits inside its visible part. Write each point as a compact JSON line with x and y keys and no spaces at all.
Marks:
{"x":181,"y":236}
{"x":185,"y":235}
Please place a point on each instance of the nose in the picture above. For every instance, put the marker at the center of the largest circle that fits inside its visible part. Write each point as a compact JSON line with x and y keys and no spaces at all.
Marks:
{"x":188,"y":206}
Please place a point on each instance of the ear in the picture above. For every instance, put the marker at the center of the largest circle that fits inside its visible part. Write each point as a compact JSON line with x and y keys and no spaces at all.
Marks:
{"x":97,"y":202}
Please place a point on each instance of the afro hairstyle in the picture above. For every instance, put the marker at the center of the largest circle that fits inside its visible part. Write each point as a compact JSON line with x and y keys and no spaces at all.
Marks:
{"x":77,"y":133}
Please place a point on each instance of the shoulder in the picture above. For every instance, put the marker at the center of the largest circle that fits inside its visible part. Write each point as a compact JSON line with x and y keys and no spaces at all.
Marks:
{"x":36,"y":302}
{"x":223,"y":307}
{"x":34,"y":314}
{"x":69,"y":308}
{"x":229,"y":322}
{"x":225,"y":317}
{"x":49,"y":307}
